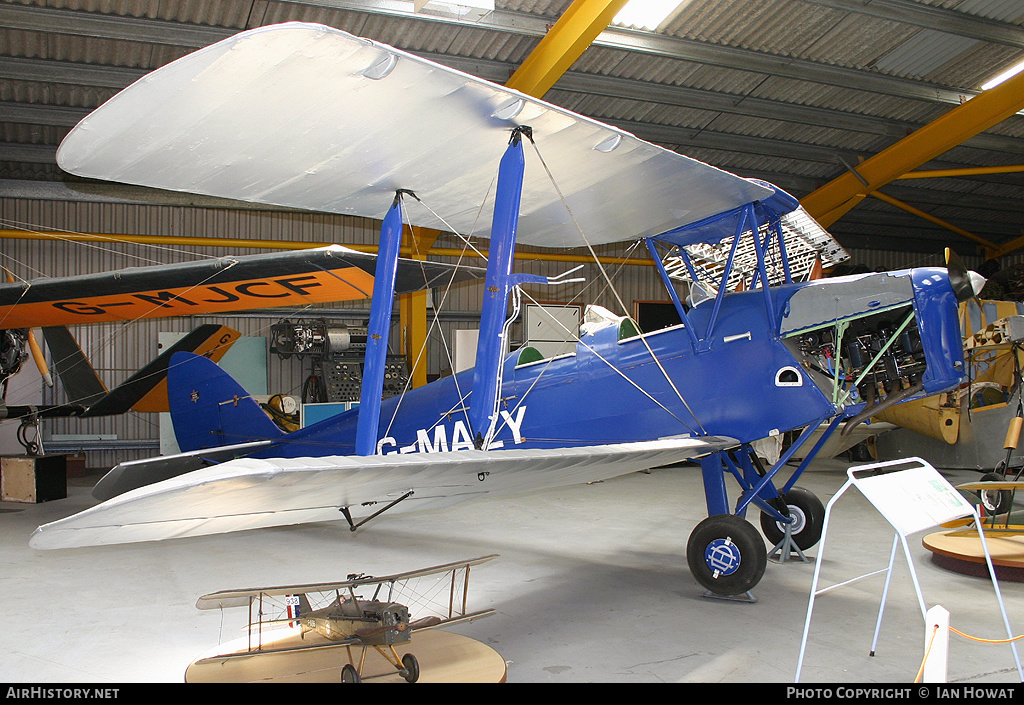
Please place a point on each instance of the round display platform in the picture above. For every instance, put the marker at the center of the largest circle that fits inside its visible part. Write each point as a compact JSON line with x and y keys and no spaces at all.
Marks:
{"x":960,"y":550}
{"x":443,"y":658}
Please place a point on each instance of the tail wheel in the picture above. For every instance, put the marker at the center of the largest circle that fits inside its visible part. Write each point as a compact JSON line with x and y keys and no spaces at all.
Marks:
{"x":809,"y":513}
{"x":995,"y":501}
{"x":726,"y":554}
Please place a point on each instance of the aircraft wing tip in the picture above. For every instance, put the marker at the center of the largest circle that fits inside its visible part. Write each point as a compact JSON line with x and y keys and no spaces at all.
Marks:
{"x":42,"y":540}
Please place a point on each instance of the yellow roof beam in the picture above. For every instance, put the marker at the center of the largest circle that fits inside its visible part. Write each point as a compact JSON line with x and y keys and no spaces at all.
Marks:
{"x":990,"y":247}
{"x":565,"y":42}
{"x":1008,"y":247}
{"x":833,"y":200}
{"x":414,"y":251}
{"x":412,"y":310}
{"x":966,"y":171}
{"x":992,"y":250}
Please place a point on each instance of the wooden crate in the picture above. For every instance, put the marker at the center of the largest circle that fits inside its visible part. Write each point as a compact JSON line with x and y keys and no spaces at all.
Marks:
{"x":33,"y":479}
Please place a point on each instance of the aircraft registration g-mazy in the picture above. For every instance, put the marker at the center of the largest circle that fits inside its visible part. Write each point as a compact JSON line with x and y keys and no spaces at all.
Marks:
{"x":341,"y":124}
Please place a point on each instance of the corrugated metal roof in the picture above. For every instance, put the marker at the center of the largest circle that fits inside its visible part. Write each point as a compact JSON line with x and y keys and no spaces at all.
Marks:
{"x":785,"y":90}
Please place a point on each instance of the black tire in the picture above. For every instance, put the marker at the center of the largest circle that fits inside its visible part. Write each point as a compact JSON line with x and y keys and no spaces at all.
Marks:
{"x":810,"y":519}
{"x":410,"y":668}
{"x":349,"y":674}
{"x":995,"y":502}
{"x":726,"y":554}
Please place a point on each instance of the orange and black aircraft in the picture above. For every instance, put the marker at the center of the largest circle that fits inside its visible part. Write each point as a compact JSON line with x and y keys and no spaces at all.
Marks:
{"x":204,"y":287}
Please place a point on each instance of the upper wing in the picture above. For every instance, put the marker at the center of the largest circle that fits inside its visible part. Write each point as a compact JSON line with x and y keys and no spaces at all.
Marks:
{"x":240,"y":598}
{"x":300,"y":277}
{"x":307,"y":116}
{"x":248,"y":493}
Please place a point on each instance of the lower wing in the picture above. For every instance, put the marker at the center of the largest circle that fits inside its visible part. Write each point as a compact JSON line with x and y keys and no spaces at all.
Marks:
{"x":248,"y":493}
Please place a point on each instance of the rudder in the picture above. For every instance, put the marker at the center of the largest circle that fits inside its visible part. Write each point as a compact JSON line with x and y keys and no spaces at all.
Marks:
{"x":210,"y":409}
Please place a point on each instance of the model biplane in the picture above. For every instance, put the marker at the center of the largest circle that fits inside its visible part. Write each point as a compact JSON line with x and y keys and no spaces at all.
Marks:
{"x":760,"y":350}
{"x":341,"y":616}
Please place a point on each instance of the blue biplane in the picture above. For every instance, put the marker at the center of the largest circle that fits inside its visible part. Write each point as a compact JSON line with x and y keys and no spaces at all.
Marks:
{"x":342,"y":124}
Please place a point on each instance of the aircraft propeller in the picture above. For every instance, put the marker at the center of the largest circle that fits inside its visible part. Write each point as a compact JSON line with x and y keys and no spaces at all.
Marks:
{"x":33,"y":344}
{"x":967,"y":284}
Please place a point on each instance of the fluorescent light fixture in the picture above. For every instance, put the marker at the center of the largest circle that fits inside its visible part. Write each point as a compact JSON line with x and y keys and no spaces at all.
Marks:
{"x":1008,"y":73}
{"x":468,"y":10}
{"x":645,"y":14}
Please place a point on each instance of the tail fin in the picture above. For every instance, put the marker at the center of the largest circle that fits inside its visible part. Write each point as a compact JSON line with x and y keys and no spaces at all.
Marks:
{"x":146,"y":390}
{"x":210,"y":409}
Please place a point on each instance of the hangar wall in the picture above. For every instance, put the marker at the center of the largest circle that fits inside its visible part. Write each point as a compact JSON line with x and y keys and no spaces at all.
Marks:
{"x":118,"y":350}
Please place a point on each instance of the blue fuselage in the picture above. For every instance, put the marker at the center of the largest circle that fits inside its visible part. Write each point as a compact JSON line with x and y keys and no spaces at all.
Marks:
{"x":619,"y":386}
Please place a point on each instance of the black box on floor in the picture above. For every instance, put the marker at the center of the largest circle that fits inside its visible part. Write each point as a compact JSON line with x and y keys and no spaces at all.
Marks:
{"x":33,"y":479}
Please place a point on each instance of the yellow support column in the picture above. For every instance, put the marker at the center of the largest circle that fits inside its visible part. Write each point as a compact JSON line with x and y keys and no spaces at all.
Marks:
{"x":412,"y":311}
{"x":833,"y":200}
{"x":966,"y":171}
{"x":563,"y":44}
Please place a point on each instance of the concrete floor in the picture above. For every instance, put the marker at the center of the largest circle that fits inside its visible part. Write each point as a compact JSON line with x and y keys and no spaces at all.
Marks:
{"x":591,"y":586}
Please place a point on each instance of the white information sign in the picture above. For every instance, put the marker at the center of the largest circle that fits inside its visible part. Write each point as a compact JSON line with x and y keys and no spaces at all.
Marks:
{"x":914,"y":499}
{"x":912,"y":496}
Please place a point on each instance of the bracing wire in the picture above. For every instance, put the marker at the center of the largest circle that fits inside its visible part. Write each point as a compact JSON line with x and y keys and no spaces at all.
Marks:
{"x":611,"y":286}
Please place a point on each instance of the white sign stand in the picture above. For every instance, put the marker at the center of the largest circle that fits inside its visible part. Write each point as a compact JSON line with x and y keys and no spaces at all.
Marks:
{"x":911,"y":499}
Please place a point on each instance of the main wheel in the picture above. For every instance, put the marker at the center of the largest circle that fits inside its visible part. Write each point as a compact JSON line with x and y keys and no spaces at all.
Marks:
{"x":995,"y":501}
{"x":726,"y":554}
{"x":349,"y":674}
{"x":809,"y":513}
{"x":410,"y":668}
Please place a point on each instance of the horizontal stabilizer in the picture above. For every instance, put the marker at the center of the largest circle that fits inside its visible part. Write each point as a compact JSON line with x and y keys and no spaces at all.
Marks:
{"x":249,"y":493}
{"x":133,"y":474}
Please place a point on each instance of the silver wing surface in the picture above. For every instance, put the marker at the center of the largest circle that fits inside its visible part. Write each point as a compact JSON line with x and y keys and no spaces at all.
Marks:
{"x":307,"y":116}
{"x":248,"y":493}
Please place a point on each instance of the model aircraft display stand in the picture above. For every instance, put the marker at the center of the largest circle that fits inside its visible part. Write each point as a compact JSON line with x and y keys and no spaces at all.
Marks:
{"x":911,"y":499}
{"x":960,"y":550}
{"x":444,"y":657}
